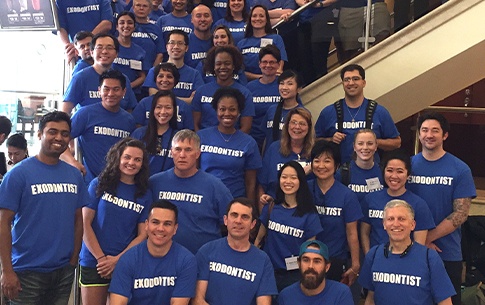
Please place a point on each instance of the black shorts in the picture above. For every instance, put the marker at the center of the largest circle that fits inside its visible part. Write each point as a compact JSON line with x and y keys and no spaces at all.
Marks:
{"x":89,"y":277}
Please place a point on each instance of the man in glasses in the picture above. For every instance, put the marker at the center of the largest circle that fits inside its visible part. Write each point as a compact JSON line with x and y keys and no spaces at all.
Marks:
{"x":83,"y":88}
{"x":339,"y":122}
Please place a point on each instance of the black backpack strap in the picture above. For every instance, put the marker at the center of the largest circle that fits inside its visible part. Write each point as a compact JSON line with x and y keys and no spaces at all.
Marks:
{"x":369,"y":113}
{"x":340,"y":115}
{"x":345,"y":173}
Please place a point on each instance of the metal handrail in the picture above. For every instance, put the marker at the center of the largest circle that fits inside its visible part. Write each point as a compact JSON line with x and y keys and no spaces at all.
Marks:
{"x":295,"y":13}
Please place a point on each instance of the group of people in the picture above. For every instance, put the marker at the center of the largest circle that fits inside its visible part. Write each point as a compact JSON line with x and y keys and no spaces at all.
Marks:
{"x":167,"y":214}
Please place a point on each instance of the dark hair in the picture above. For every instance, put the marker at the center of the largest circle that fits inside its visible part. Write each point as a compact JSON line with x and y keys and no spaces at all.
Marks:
{"x":285,"y":143}
{"x":445,"y":125}
{"x":179,"y":32}
{"x":109,"y":178}
{"x":237,"y":59}
{"x":249,"y":27}
{"x":17,"y":140}
{"x":396,"y":154}
{"x":54,"y":116}
{"x":245,"y":202}
{"x":5,"y":125}
{"x":228,"y":32}
{"x":165,"y":204}
{"x":167,"y":67}
{"x":352,"y":67}
{"x":151,"y":134}
{"x":304,"y":197}
{"x":329,"y":148}
{"x":229,"y":16}
{"x":125,"y":13}
{"x":270,"y":49}
{"x":113,"y":74}
{"x":82,"y":35}
{"x":279,"y":108}
{"x":228,"y":92}
{"x":102,"y":35}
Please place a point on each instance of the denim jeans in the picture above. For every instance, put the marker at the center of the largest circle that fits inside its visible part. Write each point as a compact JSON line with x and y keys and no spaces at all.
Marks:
{"x":52,"y":288}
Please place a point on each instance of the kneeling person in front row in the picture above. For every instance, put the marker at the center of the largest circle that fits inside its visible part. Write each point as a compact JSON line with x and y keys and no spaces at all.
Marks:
{"x":231,"y":270}
{"x":158,"y":270}
{"x":313,"y":287}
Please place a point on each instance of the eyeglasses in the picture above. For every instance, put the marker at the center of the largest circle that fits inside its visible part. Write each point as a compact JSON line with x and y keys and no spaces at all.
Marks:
{"x":299,"y":124}
{"x":269,"y":62}
{"x":179,"y":43}
{"x":107,"y":48}
{"x":354,"y":79}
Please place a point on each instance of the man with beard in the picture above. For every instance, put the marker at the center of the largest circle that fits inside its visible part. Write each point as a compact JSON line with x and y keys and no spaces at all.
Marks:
{"x":313,"y":287}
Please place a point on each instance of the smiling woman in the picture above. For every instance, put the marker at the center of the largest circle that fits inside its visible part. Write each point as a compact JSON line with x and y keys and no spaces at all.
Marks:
{"x":227,"y":152}
{"x":110,"y":226}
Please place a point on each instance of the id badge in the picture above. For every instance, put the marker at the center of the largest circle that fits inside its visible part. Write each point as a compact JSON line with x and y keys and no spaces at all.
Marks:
{"x":265,"y":42}
{"x":135,"y":64}
{"x":291,"y":263}
{"x":373,"y":184}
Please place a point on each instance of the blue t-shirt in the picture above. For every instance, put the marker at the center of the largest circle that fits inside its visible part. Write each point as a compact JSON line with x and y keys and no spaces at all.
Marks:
{"x":197,"y":50}
{"x":170,"y":22}
{"x":361,"y":178}
{"x":149,"y":37}
{"x":250,"y":47}
{"x":145,"y":279}
{"x":44,"y":199}
{"x":286,"y":232}
{"x":80,"y":64}
{"x":163,"y":160}
{"x":218,"y":9}
{"x":82,"y":15}
{"x":201,"y":200}
{"x":417,"y":278}
{"x":131,"y":61}
{"x":272,"y":162}
{"x":189,"y":81}
{"x":83,"y":90}
{"x":239,"y":77}
{"x":264,"y":96}
{"x":203,"y":98}
{"x":234,"y":277}
{"x":440,"y":182}
{"x":382,"y":125}
{"x":267,"y":123}
{"x":116,"y":219}
{"x":229,"y":159}
{"x":336,"y":208}
{"x":373,"y":210}
{"x":184,"y":113}
{"x":97,"y":129}
{"x":237,"y":28}
{"x":334,"y":293}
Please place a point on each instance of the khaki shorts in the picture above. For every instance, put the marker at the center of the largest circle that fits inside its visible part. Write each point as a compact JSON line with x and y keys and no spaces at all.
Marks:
{"x":352,"y":20}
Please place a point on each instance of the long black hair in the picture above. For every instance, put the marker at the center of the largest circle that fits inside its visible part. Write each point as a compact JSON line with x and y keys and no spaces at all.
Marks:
{"x":279,"y":109}
{"x":304,"y":198}
{"x":151,"y":134}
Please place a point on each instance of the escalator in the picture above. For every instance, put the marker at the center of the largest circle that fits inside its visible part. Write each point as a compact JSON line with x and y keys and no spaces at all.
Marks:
{"x":436,"y":56}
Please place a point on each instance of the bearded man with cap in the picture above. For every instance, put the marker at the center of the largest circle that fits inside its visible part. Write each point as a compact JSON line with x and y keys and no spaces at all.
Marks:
{"x":313,"y":287}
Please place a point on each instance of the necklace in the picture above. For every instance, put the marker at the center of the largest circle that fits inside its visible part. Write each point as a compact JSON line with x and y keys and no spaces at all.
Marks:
{"x":230,"y":137}
{"x":353,"y":116}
